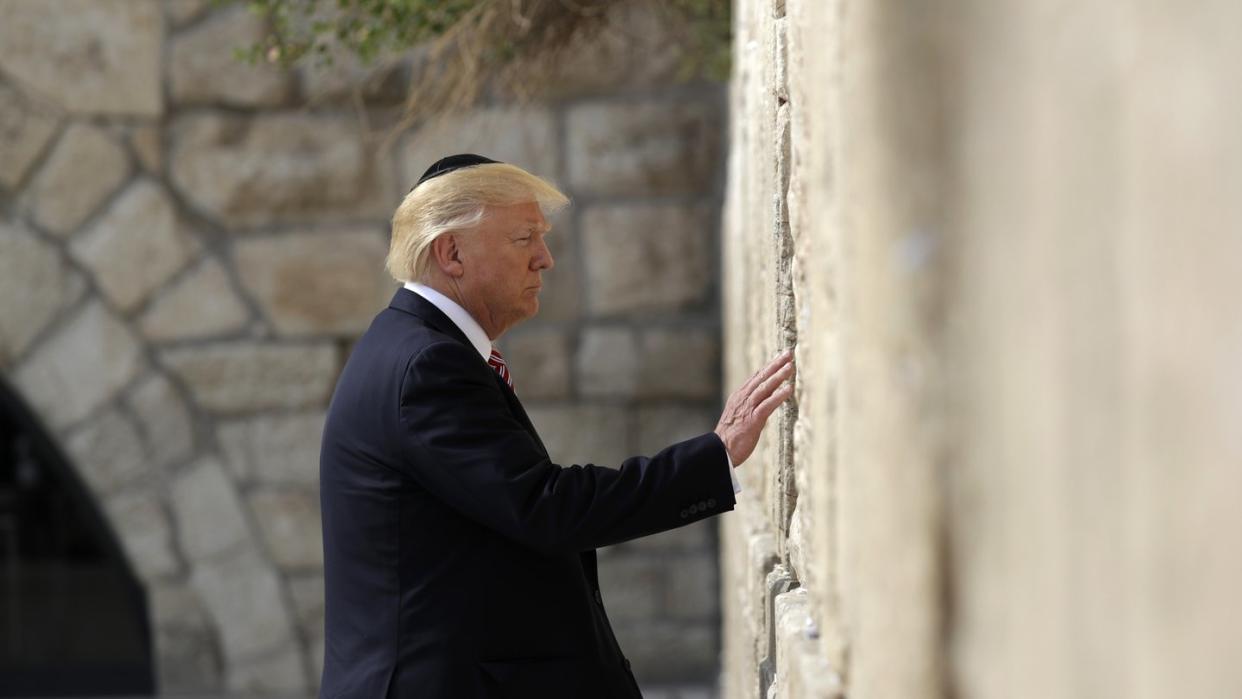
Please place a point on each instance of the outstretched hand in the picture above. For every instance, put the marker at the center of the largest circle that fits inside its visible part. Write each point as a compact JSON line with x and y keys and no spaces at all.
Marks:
{"x":748,"y":409}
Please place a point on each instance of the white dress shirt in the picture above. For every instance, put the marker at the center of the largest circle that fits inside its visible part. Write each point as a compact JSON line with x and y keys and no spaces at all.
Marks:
{"x":483,"y":344}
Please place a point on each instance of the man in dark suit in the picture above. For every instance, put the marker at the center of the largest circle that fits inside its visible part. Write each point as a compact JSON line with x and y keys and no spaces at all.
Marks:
{"x":459,"y":560}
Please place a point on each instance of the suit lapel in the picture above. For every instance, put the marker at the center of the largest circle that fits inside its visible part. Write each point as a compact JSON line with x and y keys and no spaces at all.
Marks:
{"x":410,"y":302}
{"x":515,"y":406}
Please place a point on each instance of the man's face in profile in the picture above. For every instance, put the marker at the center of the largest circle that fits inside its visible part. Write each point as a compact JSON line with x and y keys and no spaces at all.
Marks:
{"x":503,"y":261}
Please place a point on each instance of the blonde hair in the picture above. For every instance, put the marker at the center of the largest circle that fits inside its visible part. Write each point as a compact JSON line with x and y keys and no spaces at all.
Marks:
{"x":455,"y":201}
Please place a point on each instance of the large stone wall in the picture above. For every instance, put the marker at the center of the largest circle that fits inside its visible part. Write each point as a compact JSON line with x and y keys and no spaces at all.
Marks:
{"x":189,"y":245}
{"x":1003,"y":238}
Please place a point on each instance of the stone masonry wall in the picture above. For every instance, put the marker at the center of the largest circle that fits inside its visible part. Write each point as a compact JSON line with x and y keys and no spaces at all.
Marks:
{"x":1003,"y":239}
{"x":189,"y":245}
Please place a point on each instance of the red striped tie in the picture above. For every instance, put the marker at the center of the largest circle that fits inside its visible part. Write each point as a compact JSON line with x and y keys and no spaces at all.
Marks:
{"x":497,"y":362}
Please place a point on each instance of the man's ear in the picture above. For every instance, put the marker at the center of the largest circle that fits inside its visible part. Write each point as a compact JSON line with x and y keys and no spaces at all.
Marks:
{"x":447,"y":255}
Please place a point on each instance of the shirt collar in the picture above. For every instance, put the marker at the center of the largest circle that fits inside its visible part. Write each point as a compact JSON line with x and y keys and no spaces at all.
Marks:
{"x":468,"y":325}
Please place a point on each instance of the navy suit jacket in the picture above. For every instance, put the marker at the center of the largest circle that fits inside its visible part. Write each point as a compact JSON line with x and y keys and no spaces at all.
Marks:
{"x":459,"y":561}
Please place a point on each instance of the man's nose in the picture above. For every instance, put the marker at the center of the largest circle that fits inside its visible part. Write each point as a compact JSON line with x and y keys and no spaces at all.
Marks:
{"x":543,"y":256}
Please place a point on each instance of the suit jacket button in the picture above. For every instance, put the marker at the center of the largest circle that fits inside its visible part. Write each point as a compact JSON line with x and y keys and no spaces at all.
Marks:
{"x":711,"y":502}
{"x":684,"y":514}
{"x":702,"y":507}
{"x":692,"y":509}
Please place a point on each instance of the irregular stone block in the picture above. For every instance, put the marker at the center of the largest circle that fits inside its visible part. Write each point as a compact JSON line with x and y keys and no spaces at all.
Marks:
{"x":202,"y":68}
{"x":175,"y":604}
{"x":136,"y":246}
{"x":663,"y":651}
{"x":200,"y":304}
{"x":210,"y":518}
{"x":653,"y":147}
{"x":187,"y":660}
{"x":692,"y":537}
{"x":583,"y":434}
{"x":64,"y":383}
{"x":291,"y":527}
{"x":693,"y":587}
{"x":662,"y":425}
{"x":181,"y":12}
{"x":275,"y":168}
{"x":241,"y":592}
{"x":141,"y":524}
{"x":147,"y":144}
{"x":274,"y":449}
{"x":107,"y":452}
{"x":35,"y":285}
{"x":634,"y":587}
{"x":522,"y":136}
{"x":317,"y":283}
{"x":306,"y":591}
{"x":679,"y":363}
{"x":85,"y":166}
{"x":644,"y":258}
{"x":561,"y":298}
{"x":539,"y":360}
{"x":26,"y":128}
{"x":164,"y":418}
{"x":241,"y":376}
{"x":608,"y":362}
{"x":90,"y":56}
{"x":281,"y":671}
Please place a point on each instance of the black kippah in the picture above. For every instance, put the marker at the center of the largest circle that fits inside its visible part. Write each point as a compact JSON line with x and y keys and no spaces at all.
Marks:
{"x":453,"y":162}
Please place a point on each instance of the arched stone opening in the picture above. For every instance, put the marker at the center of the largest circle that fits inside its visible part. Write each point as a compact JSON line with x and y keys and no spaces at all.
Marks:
{"x":73,"y":615}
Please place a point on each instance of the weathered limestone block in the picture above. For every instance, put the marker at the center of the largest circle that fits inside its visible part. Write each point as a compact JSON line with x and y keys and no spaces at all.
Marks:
{"x":289,"y":167}
{"x":801,"y":669}
{"x":662,"y":425}
{"x":147,"y":144}
{"x":90,"y":56}
{"x":657,"y":363}
{"x":203,"y":70}
{"x":280,"y":671}
{"x":164,"y":419}
{"x":107,"y":452}
{"x":85,"y":166}
{"x":185,"y":649}
{"x":241,"y":592}
{"x":35,"y":285}
{"x":136,"y":246}
{"x":306,"y":591}
{"x":582,"y":433}
{"x":83,"y":364}
{"x":200,"y":304}
{"x":187,"y":660}
{"x":141,"y":523}
{"x":317,"y":283}
{"x":660,"y":148}
{"x":241,"y":376}
{"x":274,"y":449}
{"x":210,"y":518}
{"x":524,"y":137}
{"x":539,"y":360}
{"x":290,"y":524}
{"x":26,"y":128}
{"x":643,"y":258}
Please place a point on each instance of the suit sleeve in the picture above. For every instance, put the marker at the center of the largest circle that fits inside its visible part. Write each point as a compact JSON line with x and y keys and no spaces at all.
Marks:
{"x":462,"y":444}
